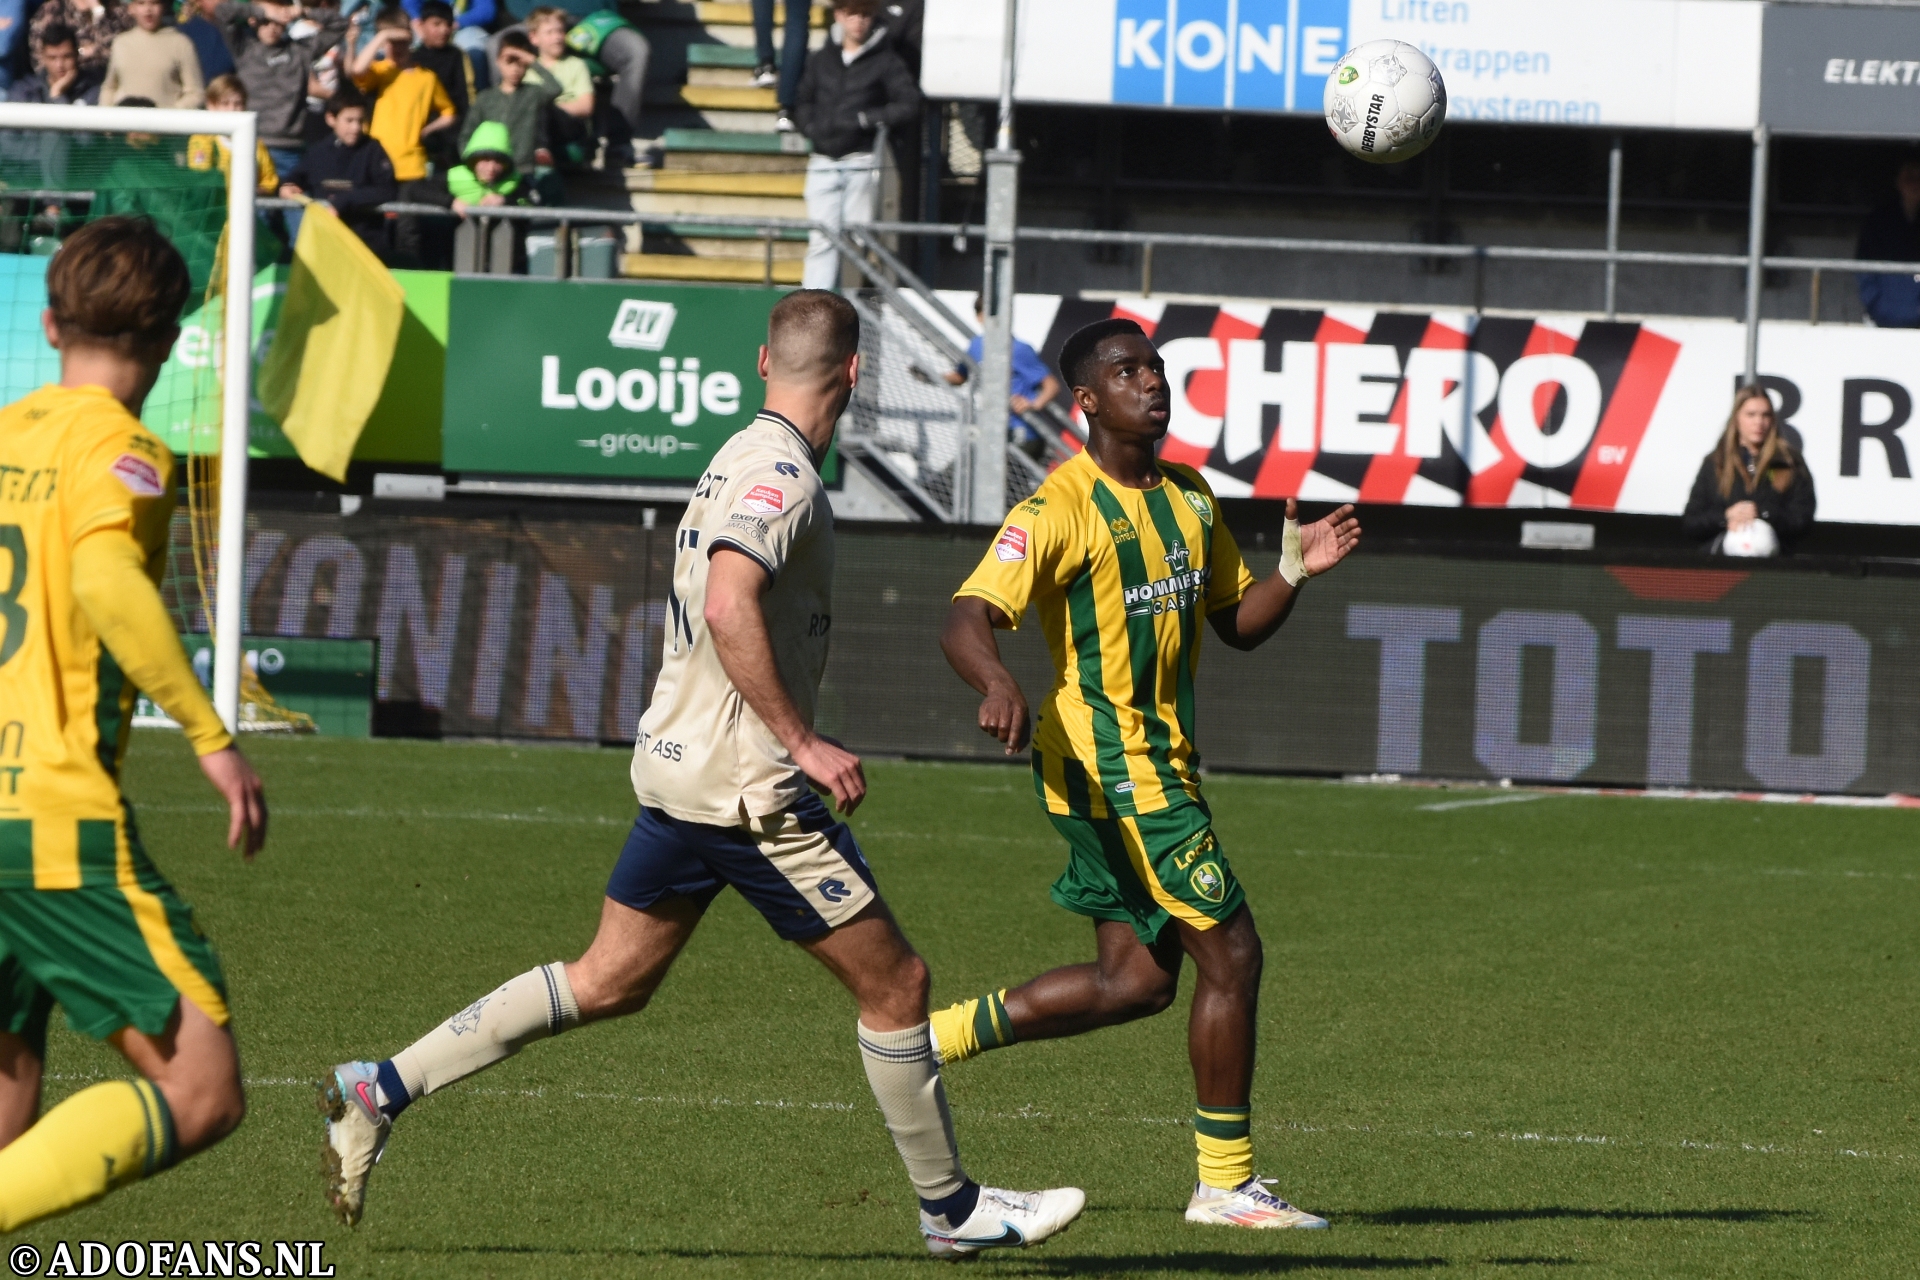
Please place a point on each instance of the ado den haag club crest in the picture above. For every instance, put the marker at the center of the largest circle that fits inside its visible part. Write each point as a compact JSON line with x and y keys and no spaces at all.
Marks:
{"x":642,"y":325}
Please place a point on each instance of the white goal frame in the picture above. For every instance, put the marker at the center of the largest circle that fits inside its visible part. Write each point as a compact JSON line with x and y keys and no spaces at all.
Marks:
{"x":238,"y":127}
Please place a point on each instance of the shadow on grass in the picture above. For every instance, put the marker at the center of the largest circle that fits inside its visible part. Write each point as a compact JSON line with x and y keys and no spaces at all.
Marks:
{"x":1012,"y":1263}
{"x":1447,"y":1215}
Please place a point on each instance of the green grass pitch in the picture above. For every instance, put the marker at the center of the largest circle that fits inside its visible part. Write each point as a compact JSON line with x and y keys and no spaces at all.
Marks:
{"x":1500,"y":1032}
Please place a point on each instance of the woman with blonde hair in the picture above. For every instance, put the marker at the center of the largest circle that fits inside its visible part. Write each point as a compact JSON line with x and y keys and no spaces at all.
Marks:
{"x":1754,"y":494}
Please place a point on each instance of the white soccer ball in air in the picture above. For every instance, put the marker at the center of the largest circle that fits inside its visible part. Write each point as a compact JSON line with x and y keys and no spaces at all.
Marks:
{"x":1385,"y":101}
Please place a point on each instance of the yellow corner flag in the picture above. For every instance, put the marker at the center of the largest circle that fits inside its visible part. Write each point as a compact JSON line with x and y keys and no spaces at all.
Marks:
{"x":331,"y":353}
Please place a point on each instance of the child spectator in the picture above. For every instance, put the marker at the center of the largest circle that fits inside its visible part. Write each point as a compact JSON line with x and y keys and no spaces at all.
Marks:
{"x":202,"y":23}
{"x":61,"y":78}
{"x":151,"y":61}
{"x":348,"y":169}
{"x":486,"y":181}
{"x":94,"y":24}
{"x":412,"y":106}
{"x":433,"y":25}
{"x":205,"y":150}
{"x":570,"y":119}
{"x":274,"y":69}
{"x":521,"y":106}
{"x":487,"y":178}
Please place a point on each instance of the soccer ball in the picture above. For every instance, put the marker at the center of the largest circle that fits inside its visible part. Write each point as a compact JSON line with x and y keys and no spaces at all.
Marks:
{"x":1385,"y":101}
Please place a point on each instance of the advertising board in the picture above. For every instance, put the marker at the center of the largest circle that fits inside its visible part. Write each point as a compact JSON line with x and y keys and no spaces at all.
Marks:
{"x":1762,"y":677}
{"x":1831,"y":69}
{"x":1686,"y":64}
{"x":599,"y":379}
{"x":1450,"y":409}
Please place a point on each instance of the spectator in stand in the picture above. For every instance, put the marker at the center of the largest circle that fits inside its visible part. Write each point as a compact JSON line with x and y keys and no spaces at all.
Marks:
{"x":411,"y":107}
{"x":348,"y":169}
{"x":61,"y":78}
{"x":784,"y":77}
{"x":1034,"y":386}
{"x":153,"y":62}
{"x":569,"y":81}
{"x":1754,"y":494}
{"x":206,"y":150}
{"x":487,"y":178}
{"x":1892,"y":234}
{"x":275,"y":69}
{"x":202,"y":23}
{"x":434,"y":49}
{"x":905,"y":21}
{"x":471,"y":20}
{"x":94,"y":24}
{"x":848,"y":93}
{"x":521,"y":106}
{"x":612,"y":46}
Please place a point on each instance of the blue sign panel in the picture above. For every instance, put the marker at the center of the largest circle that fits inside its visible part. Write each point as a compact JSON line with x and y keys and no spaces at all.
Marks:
{"x":1256,"y":55}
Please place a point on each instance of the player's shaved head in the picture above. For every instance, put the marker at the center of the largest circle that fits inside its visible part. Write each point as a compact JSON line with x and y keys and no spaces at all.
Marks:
{"x":1079,"y":355}
{"x":811,"y":336}
{"x":118,"y":283}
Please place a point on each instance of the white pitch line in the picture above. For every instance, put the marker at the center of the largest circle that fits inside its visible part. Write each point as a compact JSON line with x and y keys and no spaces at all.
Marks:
{"x":1448,"y":805}
{"x":427,"y":815}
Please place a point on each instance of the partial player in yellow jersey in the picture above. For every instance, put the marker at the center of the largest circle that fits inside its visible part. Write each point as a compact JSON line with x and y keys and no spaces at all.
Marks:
{"x":1122,"y":555}
{"x":86,"y":921}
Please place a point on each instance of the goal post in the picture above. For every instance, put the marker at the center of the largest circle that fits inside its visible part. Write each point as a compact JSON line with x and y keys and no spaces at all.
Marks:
{"x":236,"y":357}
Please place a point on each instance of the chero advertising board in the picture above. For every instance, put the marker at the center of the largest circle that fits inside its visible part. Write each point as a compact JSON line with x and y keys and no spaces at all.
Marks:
{"x":604,"y":380}
{"x":1451,"y":409}
{"x":1690,"y":64}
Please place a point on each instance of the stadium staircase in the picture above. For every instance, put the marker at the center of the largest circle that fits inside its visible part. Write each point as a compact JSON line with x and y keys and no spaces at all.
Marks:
{"x":717,"y":151}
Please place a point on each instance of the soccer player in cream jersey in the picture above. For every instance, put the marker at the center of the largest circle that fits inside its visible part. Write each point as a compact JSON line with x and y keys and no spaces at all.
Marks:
{"x":1122,"y":556}
{"x":722,"y":766}
{"x":86,"y":920}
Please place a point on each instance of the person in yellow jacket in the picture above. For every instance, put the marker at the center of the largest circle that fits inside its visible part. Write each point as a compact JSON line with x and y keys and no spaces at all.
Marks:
{"x":86,"y":920}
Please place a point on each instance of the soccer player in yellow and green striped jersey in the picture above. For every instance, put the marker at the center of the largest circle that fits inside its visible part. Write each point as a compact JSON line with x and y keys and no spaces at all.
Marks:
{"x":1122,"y":556}
{"x":86,"y":920}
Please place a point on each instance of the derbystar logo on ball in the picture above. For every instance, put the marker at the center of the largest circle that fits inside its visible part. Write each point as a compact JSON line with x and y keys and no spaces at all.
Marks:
{"x":1012,"y":544}
{"x":765,"y":499}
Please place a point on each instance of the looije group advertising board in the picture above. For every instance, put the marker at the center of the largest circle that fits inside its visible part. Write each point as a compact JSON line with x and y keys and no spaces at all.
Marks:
{"x":605,"y":380}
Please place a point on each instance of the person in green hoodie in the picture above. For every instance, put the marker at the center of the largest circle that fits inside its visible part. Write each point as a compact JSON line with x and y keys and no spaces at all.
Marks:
{"x":486,"y":180}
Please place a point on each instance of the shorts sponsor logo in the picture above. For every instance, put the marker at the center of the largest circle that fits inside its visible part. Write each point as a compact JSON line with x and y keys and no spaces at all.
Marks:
{"x":1012,"y":544}
{"x":139,"y":475}
{"x":765,"y":499}
{"x":1208,"y":882}
{"x":1193,"y":848}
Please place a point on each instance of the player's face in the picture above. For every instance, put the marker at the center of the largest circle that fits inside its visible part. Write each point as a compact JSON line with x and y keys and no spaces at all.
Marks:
{"x":1129,"y":395}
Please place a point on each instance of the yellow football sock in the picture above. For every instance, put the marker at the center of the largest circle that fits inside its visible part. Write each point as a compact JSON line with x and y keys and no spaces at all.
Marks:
{"x":1224,"y":1136}
{"x":101,"y":1138}
{"x":972,"y":1027}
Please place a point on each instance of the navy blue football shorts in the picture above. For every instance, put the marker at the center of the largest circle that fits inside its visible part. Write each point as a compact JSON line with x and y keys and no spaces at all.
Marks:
{"x":800,"y":868}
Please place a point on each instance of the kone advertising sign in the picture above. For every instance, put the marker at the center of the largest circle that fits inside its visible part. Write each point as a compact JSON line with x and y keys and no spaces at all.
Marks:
{"x":605,"y":380}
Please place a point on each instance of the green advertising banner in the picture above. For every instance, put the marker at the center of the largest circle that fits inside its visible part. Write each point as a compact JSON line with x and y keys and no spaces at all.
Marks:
{"x":599,"y":379}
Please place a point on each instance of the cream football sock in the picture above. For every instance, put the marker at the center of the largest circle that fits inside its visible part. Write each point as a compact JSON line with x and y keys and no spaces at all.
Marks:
{"x":906,"y":1084}
{"x":533,"y":1006}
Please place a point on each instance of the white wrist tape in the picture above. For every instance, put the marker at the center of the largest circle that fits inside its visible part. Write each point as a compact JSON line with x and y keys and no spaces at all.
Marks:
{"x":1293,"y":565}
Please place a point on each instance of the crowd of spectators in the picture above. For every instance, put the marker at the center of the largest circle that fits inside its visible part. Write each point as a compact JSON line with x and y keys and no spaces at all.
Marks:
{"x":359,"y":105}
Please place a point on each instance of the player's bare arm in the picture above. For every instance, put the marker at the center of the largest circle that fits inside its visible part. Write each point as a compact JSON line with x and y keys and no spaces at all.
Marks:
{"x":974,"y":652}
{"x":735,"y":584}
{"x":1266,"y":606}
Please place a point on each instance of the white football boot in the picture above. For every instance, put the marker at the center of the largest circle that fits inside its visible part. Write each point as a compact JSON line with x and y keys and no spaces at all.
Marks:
{"x":357,"y":1134}
{"x":1248,"y":1205}
{"x":1004,"y":1220}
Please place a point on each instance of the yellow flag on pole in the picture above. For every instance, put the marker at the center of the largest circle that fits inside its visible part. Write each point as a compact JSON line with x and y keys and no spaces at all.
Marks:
{"x":334,"y":346}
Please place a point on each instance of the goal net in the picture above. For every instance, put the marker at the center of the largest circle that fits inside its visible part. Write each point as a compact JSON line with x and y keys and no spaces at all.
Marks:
{"x":193,"y":173}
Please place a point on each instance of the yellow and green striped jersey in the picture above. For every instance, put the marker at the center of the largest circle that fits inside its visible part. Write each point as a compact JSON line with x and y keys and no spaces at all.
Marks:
{"x":1121,"y":579}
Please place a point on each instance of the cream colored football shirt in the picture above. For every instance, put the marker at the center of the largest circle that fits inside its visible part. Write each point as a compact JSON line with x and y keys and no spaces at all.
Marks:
{"x":702,"y":754}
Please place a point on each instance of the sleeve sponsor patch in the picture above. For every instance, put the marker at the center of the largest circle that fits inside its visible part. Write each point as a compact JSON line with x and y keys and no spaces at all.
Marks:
{"x":1012,"y":543}
{"x":765,"y":499}
{"x":139,"y":475}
